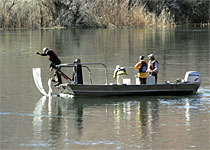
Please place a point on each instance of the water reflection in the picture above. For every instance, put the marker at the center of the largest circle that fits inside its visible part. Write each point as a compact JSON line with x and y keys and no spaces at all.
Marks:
{"x":47,"y":107}
{"x":187,"y":112}
{"x":62,"y":113}
{"x":187,"y":106}
{"x":147,"y":118}
{"x":80,"y":120}
{"x":37,"y":120}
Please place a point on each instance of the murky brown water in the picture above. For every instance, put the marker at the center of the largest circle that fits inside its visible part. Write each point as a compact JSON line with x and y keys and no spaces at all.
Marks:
{"x":30,"y":121}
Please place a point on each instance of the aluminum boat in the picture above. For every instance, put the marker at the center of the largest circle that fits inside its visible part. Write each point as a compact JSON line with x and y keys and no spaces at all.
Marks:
{"x":75,"y":86}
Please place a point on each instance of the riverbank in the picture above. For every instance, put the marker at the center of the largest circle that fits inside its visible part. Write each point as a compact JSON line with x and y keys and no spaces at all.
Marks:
{"x":102,"y":14}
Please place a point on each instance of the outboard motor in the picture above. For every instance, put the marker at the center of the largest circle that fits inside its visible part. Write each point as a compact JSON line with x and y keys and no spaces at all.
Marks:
{"x":192,"y":77}
{"x":77,"y":75}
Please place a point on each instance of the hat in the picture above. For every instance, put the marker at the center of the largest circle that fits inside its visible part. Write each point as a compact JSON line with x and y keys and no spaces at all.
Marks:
{"x":45,"y":49}
{"x":151,"y":56}
{"x":141,"y":57}
{"x":118,"y":66}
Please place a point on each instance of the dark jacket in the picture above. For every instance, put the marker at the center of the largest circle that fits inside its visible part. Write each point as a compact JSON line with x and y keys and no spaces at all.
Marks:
{"x":52,"y":57}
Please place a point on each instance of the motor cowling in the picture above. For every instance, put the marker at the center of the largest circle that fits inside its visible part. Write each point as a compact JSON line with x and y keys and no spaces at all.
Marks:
{"x":192,"y":77}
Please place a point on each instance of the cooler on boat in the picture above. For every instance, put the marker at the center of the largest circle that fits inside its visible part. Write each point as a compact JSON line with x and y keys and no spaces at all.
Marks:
{"x":150,"y":80}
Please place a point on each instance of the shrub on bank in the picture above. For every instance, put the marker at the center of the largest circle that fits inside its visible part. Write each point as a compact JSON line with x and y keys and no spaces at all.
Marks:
{"x":97,"y":13}
{"x":24,"y":14}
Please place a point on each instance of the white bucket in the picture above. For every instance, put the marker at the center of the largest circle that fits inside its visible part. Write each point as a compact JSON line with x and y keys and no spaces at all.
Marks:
{"x":127,"y":81}
{"x":137,"y":81}
{"x":150,"y":79}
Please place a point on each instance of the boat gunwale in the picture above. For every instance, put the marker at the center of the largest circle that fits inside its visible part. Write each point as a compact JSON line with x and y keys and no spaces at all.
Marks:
{"x":173,"y":88}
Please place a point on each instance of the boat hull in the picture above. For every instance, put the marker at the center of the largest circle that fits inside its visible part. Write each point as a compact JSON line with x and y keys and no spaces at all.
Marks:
{"x":122,"y":90}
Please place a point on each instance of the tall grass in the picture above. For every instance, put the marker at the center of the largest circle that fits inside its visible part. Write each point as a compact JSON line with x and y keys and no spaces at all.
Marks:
{"x":100,"y":13}
{"x":108,"y":13}
{"x":23,"y":14}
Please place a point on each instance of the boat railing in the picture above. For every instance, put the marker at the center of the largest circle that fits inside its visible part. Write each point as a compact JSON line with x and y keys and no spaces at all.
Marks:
{"x":84,"y":65}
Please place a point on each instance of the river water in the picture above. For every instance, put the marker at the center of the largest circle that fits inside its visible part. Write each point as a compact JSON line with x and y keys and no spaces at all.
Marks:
{"x":32,"y":121}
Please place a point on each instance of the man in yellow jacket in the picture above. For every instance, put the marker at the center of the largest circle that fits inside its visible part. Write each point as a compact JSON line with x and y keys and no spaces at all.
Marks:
{"x":142,"y":67}
{"x":119,"y":74}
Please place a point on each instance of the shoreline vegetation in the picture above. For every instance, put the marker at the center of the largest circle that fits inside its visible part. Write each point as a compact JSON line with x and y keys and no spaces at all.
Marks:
{"x":40,"y":14}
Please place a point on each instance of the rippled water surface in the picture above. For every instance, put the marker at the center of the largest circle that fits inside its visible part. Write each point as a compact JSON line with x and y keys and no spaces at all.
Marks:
{"x":32,"y":121}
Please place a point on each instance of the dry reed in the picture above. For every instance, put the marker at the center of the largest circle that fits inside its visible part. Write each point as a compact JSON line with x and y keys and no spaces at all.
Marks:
{"x":103,"y":13}
{"x":23,"y":14}
{"x":119,"y":13}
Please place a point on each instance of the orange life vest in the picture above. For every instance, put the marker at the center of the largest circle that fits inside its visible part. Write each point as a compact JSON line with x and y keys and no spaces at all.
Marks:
{"x":151,"y":65}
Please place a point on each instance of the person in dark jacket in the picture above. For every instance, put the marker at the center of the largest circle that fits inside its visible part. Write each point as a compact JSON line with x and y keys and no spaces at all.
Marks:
{"x":52,"y":56}
{"x":153,"y":67}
